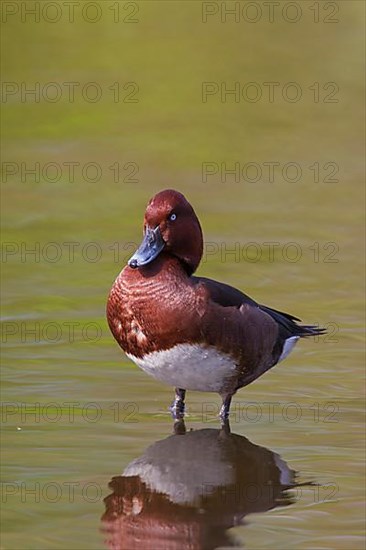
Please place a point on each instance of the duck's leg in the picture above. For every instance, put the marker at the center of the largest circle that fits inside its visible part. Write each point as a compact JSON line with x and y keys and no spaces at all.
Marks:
{"x":178,"y":406}
{"x":225,"y":428}
{"x":225,"y":407}
{"x":179,"y":426}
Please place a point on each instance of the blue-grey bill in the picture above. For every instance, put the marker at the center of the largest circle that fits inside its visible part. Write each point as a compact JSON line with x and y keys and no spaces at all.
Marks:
{"x":151,"y":246}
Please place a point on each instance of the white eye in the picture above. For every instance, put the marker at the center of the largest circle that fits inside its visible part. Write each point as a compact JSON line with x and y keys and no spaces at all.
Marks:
{"x":173,"y":217}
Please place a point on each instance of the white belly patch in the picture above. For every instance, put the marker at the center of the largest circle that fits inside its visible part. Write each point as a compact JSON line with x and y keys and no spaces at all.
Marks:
{"x":189,"y":366}
{"x":287,"y":347}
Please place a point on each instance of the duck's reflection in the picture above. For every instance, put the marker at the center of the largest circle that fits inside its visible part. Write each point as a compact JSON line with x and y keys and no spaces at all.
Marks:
{"x":187,"y":490}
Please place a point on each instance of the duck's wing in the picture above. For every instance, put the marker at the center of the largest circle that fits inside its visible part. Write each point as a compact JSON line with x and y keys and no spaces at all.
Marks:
{"x":287,"y":322}
{"x":225,"y":295}
{"x":228,"y":296}
{"x":235,"y":324}
{"x":255,"y":336}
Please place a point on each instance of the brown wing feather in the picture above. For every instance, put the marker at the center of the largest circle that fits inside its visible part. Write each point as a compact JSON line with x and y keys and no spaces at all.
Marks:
{"x":241,"y":330}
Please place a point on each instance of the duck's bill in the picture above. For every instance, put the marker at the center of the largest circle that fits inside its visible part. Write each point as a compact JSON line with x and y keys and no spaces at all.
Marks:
{"x":149,"y":249}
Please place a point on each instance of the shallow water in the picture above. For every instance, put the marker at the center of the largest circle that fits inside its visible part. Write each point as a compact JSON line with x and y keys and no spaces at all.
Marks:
{"x":76,"y":412}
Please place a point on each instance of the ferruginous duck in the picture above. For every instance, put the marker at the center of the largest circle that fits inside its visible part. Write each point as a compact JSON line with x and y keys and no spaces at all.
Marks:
{"x":192,"y":333}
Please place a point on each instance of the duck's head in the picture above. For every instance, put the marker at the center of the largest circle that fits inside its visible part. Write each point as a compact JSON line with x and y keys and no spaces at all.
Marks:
{"x":170,"y":225}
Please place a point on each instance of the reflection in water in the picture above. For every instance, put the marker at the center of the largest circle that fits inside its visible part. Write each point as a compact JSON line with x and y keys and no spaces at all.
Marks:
{"x":187,"y":490}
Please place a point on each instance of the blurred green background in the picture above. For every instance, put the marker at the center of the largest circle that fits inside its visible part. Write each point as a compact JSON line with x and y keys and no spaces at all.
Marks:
{"x":161,"y":132}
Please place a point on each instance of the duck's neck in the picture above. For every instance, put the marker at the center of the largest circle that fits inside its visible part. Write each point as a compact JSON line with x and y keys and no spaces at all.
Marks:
{"x":166,"y":263}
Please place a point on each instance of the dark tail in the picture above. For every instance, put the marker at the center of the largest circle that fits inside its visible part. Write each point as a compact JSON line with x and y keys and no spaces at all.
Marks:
{"x":287,"y":322}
